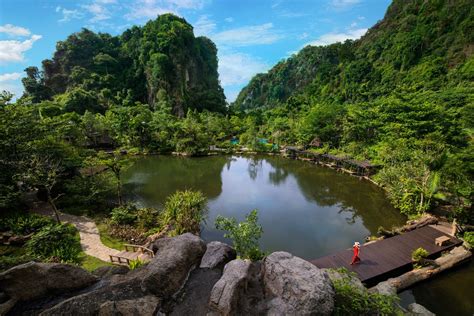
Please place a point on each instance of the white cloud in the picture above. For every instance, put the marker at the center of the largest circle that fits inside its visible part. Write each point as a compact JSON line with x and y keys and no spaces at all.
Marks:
{"x":99,"y":12}
{"x":248,"y":35}
{"x":68,"y":15}
{"x":11,"y":83}
{"x":13,"y":51}
{"x":331,"y":38}
{"x":146,"y":9}
{"x":10,"y":76}
{"x":229,"y":19}
{"x":14,"y":30}
{"x":239,"y":68}
{"x":343,"y":4}
{"x":204,"y":26}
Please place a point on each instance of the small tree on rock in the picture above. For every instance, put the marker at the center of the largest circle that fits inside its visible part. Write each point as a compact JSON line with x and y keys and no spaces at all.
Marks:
{"x":244,"y":235}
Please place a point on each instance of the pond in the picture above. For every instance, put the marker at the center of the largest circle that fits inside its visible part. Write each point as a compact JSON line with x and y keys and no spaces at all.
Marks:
{"x":448,"y":294}
{"x":304,"y":209}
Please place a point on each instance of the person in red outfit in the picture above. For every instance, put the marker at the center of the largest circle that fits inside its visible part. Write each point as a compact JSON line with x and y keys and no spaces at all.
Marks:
{"x":356,"y":249}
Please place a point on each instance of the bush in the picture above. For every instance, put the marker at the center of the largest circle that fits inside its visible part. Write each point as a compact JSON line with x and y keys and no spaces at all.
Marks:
{"x":135,"y":264}
{"x":11,"y":256}
{"x":55,"y":243}
{"x":184,"y":211}
{"x":351,"y":300}
{"x":147,"y":218}
{"x":469,"y":238}
{"x":244,"y":235}
{"x":24,"y":223}
{"x":124,"y":215}
{"x":418,"y":255}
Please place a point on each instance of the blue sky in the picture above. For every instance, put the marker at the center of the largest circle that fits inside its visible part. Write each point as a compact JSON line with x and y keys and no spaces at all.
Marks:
{"x":251,"y":35}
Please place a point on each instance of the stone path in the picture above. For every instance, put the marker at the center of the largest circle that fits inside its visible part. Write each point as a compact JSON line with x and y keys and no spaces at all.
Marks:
{"x":90,"y":237}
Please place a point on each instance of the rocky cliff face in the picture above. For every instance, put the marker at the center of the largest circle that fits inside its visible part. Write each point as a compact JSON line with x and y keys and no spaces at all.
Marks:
{"x":185,"y":277}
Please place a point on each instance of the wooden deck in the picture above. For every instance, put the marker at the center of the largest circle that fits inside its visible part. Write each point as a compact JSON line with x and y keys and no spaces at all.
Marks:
{"x":388,"y":257}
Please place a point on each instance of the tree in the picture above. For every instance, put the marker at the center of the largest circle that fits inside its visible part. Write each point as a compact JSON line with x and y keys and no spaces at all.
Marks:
{"x":5,"y":98}
{"x":42,"y":173}
{"x":244,"y":235}
{"x":116,"y":163}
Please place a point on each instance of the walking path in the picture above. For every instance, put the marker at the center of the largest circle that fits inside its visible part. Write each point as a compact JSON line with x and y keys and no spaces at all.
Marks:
{"x":90,"y":237}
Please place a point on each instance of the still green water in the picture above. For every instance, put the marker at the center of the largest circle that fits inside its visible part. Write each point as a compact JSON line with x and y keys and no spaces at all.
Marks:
{"x":304,"y":209}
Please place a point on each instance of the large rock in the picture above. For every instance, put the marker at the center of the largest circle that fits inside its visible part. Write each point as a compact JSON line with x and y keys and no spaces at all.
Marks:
{"x":161,"y":278}
{"x":417,"y":309}
{"x":295,"y":286}
{"x":217,"y":255}
{"x":143,"y":306}
{"x":108,"y":271}
{"x":174,"y":259}
{"x":33,"y":280}
{"x":230,"y":288}
{"x":385,"y":288}
{"x":125,"y":287}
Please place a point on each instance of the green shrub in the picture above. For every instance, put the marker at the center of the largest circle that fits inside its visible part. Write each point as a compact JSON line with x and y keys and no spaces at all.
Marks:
{"x":147,"y":218}
{"x":24,"y":223}
{"x":351,"y":300}
{"x":469,"y":238}
{"x":184,"y":211}
{"x":244,"y":235}
{"x":124,"y":215}
{"x":417,"y":256}
{"x":11,"y":256}
{"x":135,"y":264}
{"x":55,"y":243}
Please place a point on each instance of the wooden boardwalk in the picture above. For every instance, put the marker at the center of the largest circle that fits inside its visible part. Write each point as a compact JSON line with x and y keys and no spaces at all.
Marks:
{"x":388,"y":257}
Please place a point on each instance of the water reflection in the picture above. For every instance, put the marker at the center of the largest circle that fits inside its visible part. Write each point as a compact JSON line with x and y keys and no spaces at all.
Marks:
{"x":304,"y":209}
{"x":151,"y":179}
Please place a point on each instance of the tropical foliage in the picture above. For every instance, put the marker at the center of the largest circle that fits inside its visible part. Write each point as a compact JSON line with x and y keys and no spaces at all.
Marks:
{"x":244,"y":235}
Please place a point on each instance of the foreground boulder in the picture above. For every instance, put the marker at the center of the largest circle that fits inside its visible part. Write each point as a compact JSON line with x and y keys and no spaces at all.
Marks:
{"x":217,"y":255}
{"x":140,"y":291}
{"x":174,"y":258}
{"x":147,"y":305}
{"x":295,"y":286}
{"x":231,"y":287}
{"x":34,"y":280}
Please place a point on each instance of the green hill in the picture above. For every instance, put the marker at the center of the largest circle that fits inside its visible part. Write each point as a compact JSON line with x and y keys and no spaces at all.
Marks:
{"x":419,"y":45}
{"x":159,"y":62}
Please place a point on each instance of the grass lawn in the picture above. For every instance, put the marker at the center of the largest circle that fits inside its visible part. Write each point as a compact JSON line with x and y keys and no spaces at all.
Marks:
{"x":91,"y":263}
{"x":108,"y":240}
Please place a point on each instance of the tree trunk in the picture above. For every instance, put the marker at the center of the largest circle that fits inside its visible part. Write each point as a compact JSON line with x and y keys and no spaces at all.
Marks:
{"x":455,"y":256}
{"x":53,"y":205}
{"x":119,"y":190}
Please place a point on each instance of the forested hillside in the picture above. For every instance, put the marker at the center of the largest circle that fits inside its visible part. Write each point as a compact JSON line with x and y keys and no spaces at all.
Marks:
{"x":161,"y":62}
{"x":419,"y":45}
{"x":402,"y":96}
